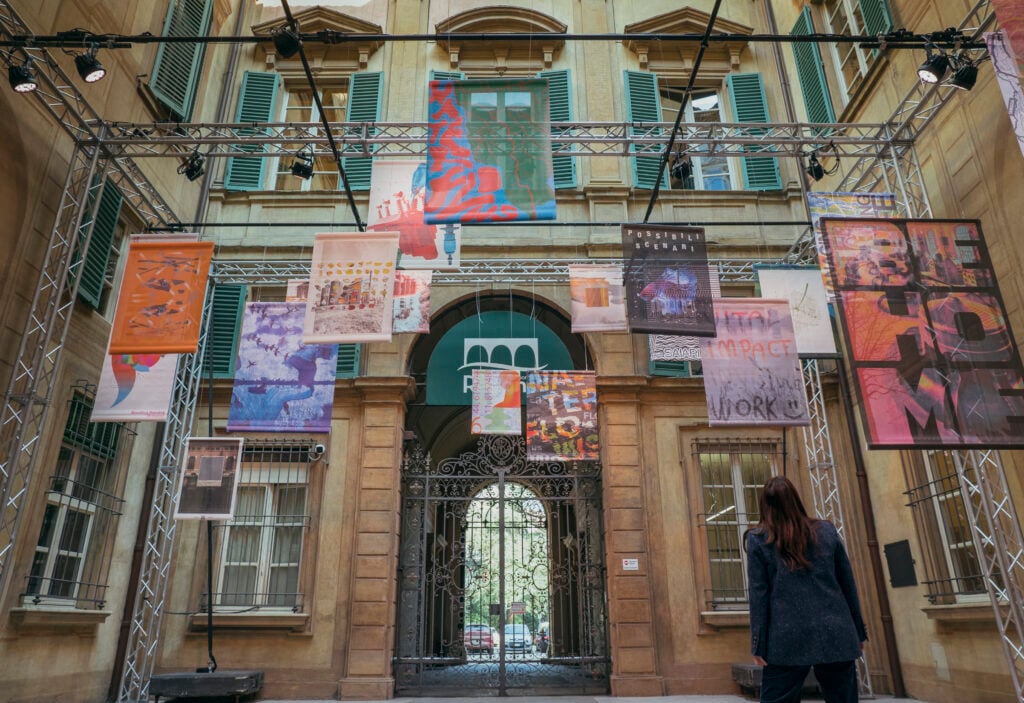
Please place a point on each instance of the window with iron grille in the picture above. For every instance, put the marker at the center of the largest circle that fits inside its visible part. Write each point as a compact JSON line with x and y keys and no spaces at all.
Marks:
{"x":950,"y":560}
{"x":261,"y":549}
{"x":72,"y":555}
{"x":732,"y":475}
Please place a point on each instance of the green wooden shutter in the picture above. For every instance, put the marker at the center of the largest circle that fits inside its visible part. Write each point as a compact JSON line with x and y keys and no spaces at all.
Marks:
{"x":348,"y":360}
{"x":813,"y":85}
{"x":256,"y":100}
{"x":877,"y":17}
{"x":364,"y":94}
{"x":178,"y":65}
{"x":750,"y":105}
{"x":446,"y":75}
{"x":225,"y":322}
{"x":643,"y":104}
{"x":94,"y":268}
{"x":677,"y":369}
{"x":560,"y":99}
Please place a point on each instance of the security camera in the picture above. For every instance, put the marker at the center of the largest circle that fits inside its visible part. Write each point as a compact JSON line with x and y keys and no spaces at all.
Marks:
{"x":317,"y":451}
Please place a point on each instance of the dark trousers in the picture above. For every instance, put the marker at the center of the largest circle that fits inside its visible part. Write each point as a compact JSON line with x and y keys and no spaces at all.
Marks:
{"x":782,"y":684}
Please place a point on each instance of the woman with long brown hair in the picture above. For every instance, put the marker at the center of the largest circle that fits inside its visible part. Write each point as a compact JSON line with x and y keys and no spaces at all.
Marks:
{"x":804,"y":609}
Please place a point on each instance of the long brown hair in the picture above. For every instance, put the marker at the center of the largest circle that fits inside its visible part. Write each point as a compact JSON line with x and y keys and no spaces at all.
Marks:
{"x":785,"y":522}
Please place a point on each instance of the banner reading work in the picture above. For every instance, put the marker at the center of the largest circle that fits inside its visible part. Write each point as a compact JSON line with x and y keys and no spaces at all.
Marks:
{"x":160,"y":305}
{"x":668,"y":288}
{"x":927,"y":334}
{"x":398,"y":191}
{"x":281,"y":384}
{"x":351,"y":286}
{"x":489,"y":151}
{"x":751,"y":370}
{"x":561,"y":416}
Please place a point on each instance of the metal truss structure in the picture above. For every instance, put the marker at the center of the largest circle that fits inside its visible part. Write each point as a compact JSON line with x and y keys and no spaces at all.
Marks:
{"x":883,"y":157}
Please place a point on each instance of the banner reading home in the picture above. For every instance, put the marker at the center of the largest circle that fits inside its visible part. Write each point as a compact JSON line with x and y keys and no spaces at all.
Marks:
{"x":351,"y":287}
{"x":489,"y":151}
{"x":160,"y":304}
{"x":927,"y":334}
{"x":281,"y":384}
{"x":561,"y":416}
{"x":751,"y":369}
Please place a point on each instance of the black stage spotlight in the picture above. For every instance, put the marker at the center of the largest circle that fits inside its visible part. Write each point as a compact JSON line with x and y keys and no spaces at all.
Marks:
{"x":21,"y":78}
{"x":193,"y":167}
{"x":303,"y":164}
{"x":934,"y":67}
{"x":682,"y":168}
{"x":814,"y":168}
{"x":287,"y":42}
{"x":89,"y":67}
{"x":965,"y":76}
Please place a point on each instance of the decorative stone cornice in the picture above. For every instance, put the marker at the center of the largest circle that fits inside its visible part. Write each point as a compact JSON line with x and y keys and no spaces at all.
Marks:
{"x":664,"y":54}
{"x":322,"y":57}
{"x":504,"y":19}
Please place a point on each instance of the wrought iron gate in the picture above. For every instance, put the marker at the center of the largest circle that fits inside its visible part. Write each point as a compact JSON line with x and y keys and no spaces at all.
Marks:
{"x":501,"y":575}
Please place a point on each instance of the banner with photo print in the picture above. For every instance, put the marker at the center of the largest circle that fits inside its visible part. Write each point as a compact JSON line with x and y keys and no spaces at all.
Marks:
{"x":561,"y":416}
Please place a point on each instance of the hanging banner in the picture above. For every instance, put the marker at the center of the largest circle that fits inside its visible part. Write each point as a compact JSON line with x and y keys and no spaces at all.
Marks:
{"x":597,"y":298}
{"x":351,"y":285}
{"x":297,"y":290}
{"x":397,"y":194}
{"x":1010,"y":76}
{"x":927,"y":334}
{"x":1010,"y":14}
{"x":803,"y":288}
{"x":752,"y":373}
{"x":209,"y":479}
{"x":160,"y":304}
{"x":281,"y":384}
{"x":561,"y":416}
{"x":489,"y":151}
{"x":844,"y":205}
{"x":412,"y":301}
{"x":668,"y":288}
{"x":135,"y":388}
{"x":682,"y":347}
{"x":497,"y":402}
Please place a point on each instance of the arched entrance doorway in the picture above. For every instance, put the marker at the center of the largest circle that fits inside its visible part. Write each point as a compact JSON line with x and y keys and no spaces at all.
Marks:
{"x":501,"y":568}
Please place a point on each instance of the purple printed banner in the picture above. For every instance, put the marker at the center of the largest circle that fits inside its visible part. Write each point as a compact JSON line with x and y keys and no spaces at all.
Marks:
{"x":208,"y":484}
{"x":135,"y":388}
{"x":412,"y":301}
{"x":497,"y":402}
{"x":351,"y":286}
{"x":668,"y":288}
{"x":927,"y":335}
{"x":803,"y":288}
{"x":561,"y":416}
{"x":281,"y":384}
{"x":597,"y":298}
{"x":1007,"y":67}
{"x":682,"y":347}
{"x":397,"y":193}
{"x":751,"y":370}
{"x":489,"y":151}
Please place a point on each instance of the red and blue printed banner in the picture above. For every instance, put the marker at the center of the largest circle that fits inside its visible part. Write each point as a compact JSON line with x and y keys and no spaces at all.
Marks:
{"x":281,"y":384}
{"x":135,"y":388}
{"x":927,"y":334}
{"x":489,"y":152}
{"x":752,"y":372}
{"x":668,"y":287}
{"x":497,"y":402}
{"x":561,"y":416}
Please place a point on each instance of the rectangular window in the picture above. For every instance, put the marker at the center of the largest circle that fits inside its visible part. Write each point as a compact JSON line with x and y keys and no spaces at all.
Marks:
{"x":261,"y":549}
{"x":853,"y":17}
{"x":299,"y":107}
{"x":696,"y":172}
{"x":72,"y":554}
{"x":732,"y":474}
{"x":950,"y":560}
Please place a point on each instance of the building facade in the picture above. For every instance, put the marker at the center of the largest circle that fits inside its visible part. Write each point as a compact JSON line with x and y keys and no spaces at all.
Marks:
{"x":399,"y":554}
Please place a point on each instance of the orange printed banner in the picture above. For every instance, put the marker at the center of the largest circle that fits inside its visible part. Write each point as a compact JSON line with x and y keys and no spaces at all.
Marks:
{"x":561,"y":416}
{"x":160,"y":306}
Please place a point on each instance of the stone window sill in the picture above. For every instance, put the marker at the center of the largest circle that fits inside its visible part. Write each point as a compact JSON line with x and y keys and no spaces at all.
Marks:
{"x":64,"y":619}
{"x":962,"y":613}
{"x":283,"y":622}
{"x":719,"y":619}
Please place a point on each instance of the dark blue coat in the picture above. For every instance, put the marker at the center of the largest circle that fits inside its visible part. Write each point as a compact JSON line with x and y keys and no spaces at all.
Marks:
{"x":808,"y":616}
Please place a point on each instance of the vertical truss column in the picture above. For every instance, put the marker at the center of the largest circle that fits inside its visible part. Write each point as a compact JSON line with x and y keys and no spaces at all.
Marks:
{"x":995,"y":528}
{"x":30,"y":390}
{"x":151,"y":590}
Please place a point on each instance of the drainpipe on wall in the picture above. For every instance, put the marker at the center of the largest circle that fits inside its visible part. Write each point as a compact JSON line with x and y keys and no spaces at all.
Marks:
{"x":867,"y":509}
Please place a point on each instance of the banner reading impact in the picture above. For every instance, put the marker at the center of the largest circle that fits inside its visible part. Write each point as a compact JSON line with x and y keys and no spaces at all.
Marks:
{"x":561,"y":416}
{"x":489,"y":151}
{"x":927,"y":334}
{"x":751,"y":370}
